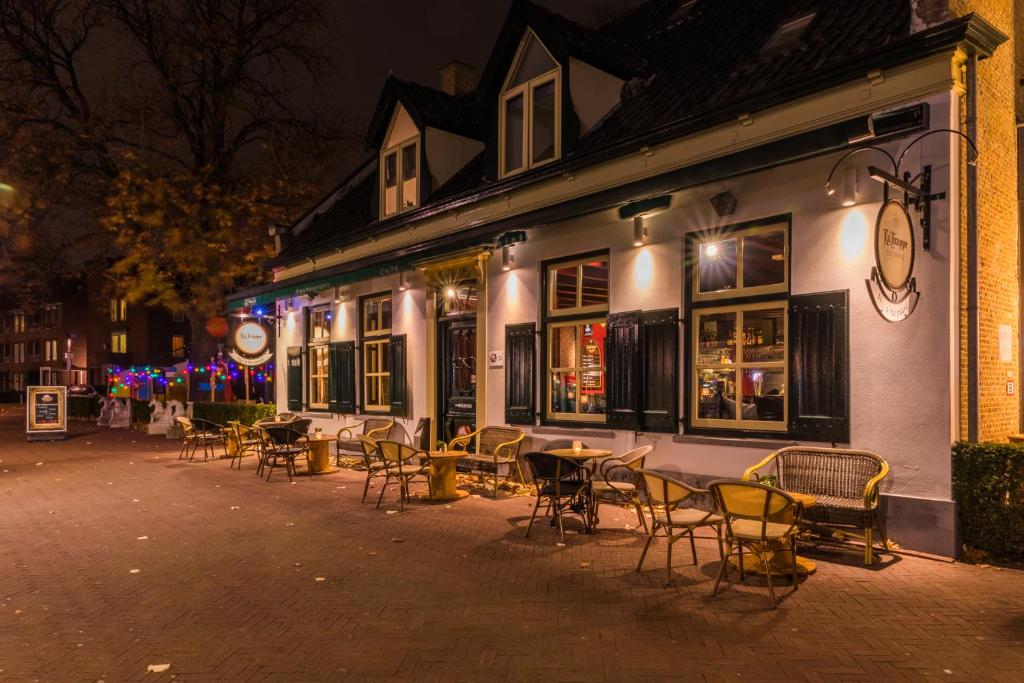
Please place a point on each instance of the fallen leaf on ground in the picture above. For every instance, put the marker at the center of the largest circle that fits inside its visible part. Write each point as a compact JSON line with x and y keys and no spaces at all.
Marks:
{"x":235,"y":507}
{"x":158,"y":668}
{"x":560,"y":545}
{"x":396,"y":540}
{"x":584,"y":565}
{"x":134,"y":571}
{"x":290,"y":524}
{"x":142,"y":538}
{"x":38,"y":464}
{"x":392,"y":512}
{"x":298,"y":564}
{"x":320,"y":579}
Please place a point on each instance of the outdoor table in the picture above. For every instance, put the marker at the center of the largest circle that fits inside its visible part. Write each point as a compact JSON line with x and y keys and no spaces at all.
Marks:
{"x":320,"y":453}
{"x":582,"y":455}
{"x":442,"y":475}
{"x":781,"y":563}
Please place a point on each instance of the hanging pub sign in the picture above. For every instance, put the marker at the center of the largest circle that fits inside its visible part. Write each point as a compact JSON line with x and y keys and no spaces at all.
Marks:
{"x":46,"y":416}
{"x":892,"y":286}
{"x":251,"y":344}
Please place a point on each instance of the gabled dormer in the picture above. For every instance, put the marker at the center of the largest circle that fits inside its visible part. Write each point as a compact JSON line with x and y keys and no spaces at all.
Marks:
{"x":530,"y":110}
{"x":424,"y":136}
{"x":400,"y":165}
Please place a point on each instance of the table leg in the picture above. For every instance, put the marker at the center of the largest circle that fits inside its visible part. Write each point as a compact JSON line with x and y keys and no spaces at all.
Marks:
{"x":780,"y":563}
{"x":442,"y":480}
{"x":320,"y":457}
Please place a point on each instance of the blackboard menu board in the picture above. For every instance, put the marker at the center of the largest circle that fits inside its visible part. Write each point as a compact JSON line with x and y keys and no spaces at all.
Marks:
{"x":47,"y":410}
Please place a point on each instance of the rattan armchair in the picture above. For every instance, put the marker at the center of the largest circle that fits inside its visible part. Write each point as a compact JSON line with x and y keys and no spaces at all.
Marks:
{"x":560,"y":483}
{"x":374,"y":462}
{"x":402,"y":463}
{"x":617,"y":482}
{"x":762,"y":519}
{"x":494,"y":446}
{"x":202,"y":433}
{"x":844,"y":484}
{"x":376,"y":428}
{"x":288,"y":444}
{"x":247,"y":442}
{"x":665,"y":496}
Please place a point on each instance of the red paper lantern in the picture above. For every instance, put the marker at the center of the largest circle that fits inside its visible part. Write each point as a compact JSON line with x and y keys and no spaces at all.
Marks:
{"x":217,"y":327}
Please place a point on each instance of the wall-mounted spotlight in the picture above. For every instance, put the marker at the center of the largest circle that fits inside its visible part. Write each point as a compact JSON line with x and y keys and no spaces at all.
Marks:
{"x":849,"y":194}
{"x":506,"y":241}
{"x":724,"y":203}
{"x":640,"y":209}
{"x":639,"y":231}
{"x":403,"y":281}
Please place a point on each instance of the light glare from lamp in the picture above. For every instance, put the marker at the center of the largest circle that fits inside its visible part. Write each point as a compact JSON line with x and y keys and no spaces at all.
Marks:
{"x":450,"y":293}
{"x":853,"y":236}
{"x":711,"y":250}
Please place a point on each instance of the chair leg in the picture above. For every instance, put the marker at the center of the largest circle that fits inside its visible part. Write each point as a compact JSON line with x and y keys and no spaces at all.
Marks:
{"x":768,"y":577}
{"x":650,"y":538}
{"x":558,"y":516}
{"x":721,"y":550}
{"x":495,"y":481}
{"x":366,"y":487}
{"x":383,"y":487}
{"x":533,"y":516}
{"x":693,"y":547}
{"x":796,"y":578}
{"x":668,"y":560}
{"x":722,"y":573}
{"x":739,"y":549}
{"x":868,"y":549}
{"x":403,"y":491}
{"x":640,"y":516}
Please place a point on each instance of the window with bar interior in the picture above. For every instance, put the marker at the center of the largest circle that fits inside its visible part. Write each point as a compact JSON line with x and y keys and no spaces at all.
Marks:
{"x":739,"y":331}
{"x":576,"y":318}
{"x":318,"y":334}
{"x":376,"y":343}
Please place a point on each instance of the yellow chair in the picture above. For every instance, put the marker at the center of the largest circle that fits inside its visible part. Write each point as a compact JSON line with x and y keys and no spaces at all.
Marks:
{"x":373,"y":462}
{"x":495,"y":446}
{"x":624,"y":490}
{"x":677,"y":522}
{"x":401,"y":465}
{"x":761,"y":518}
{"x":374,"y":427}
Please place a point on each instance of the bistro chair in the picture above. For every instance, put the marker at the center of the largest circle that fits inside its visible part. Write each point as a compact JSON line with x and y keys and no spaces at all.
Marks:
{"x":762,"y":519}
{"x":348,"y":439}
{"x":373,"y":461}
{"x":664,"y":496}
{"x":201,"y":433}
{"x":402,"y":463}
{"x":189,"y":441}
{"x":494,"y":446}
{"x":247,"y":442}
{"x":560,"y":482}
{"x":618,"y":482}
{"x":288,"y":444}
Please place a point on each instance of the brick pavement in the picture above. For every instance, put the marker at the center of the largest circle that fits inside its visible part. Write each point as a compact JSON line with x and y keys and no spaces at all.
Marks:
{"x":227,"y":588}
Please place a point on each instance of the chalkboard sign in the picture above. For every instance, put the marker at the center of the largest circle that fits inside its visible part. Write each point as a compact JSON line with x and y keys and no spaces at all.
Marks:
{"x":46,"y":416}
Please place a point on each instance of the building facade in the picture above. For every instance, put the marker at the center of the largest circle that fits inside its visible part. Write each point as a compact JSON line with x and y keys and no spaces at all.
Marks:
{"x":690,"y":227}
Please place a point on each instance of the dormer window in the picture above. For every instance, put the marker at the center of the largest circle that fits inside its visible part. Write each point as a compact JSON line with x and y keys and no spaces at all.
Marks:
{"x":399,"y":166}
{"x":530,"y":109}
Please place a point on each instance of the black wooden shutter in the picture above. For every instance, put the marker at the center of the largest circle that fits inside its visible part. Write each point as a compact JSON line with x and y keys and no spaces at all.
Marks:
{"x":520,"y":382}
{"x":342,"y":380}
{"x":294,"y":378}
{"x":819,"y":397}
{"x":399,"y":404}
{"x":624,"y":367}
{"x":660,"y":341}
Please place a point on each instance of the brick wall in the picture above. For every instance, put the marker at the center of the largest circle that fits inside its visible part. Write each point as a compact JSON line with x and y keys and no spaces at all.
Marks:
{"x":998,"y":99}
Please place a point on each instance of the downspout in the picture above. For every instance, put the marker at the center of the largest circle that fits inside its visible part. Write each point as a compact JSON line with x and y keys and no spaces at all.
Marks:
{"x":971,"y":125}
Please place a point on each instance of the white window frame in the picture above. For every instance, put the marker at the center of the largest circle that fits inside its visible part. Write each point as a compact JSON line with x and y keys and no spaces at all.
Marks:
{"x":579,"y":309}
{"x":577,"y":369}
{"x":122,"y":337}
{"x":400,"y":200}
{"x":381,"y":340}
{"x":316,"y":345}
{"x":740,"y":290}
{"x":526,"y":90}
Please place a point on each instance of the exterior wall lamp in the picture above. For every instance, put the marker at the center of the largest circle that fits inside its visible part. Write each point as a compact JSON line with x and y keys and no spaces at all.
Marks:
{"x":641,"y":208}
{"x":506,"y":241}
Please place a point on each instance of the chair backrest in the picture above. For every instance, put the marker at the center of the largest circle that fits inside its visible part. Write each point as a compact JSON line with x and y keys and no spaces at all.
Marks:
{"x":186,"y":425}
{"x":547,"y":468}
{"x":285,"y":417}
{"x":492,"y":437}
{"x":665,"y":491}
{"x":740,"y":499}
{"x":827,"y":471}
{"x":559,"y":444}
{"x":634,"y":459}
{"x":395,"y":452}
{"x":371,"y":424}
{"x":369,"y":446}
{"x":283,"y":434}
{"x":301,"y":425}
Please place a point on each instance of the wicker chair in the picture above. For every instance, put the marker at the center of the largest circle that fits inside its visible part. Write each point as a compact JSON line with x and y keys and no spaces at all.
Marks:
{"x":494,"y":446}
{"x":560,"y":483}
{"x":376,"y":428}
{"x":844,"y":484}
{"x":664,"y":496}
{"x":403,"y":463}
{"x":247,"y":442}
{"x":374,"y":462}
{"x":201,"y":433}
{"x":761,"y":518}
{"x":616,"y":482}
{"x":288,"y":444}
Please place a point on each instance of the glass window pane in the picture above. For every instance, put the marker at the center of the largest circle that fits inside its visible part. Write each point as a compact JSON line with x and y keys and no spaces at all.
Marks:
{"x":563,"y":392}
{"x":385,"y":314}
{"x":764,"y":394}
{"x":716,"y":339}
{"x":391,"y":183}
{"x":385,"y":356}
{"x":371,"y":317}
{"x":385,"y":390}
{"x":566,"y":287}
{"x":514,"y":133}
{"x":372,"y":392}
{"x":716,"y":266}
{"x":595,"y":283}
{"x":543,"y":132}
{"x":563,"y":347}
{"x":372,"y":358}
{"x":764,"y":336}
{"x":535,"y":62}
{"x":764,"y":259}
{"x":716,"y":394}
{"x":409,"y":185}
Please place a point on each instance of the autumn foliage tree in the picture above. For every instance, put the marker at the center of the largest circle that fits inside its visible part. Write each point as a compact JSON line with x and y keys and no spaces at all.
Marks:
{"x":192,"y":126}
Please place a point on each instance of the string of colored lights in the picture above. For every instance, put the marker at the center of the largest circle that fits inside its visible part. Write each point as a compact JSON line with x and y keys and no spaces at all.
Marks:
{"x":126,"y":378}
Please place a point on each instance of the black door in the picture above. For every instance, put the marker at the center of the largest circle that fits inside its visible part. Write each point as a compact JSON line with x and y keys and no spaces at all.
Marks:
{"x":457,"y":370}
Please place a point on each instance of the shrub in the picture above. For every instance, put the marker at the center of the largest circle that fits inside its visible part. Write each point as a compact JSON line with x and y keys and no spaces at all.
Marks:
{"x":222,"y":413}
{"x":84,"y":407}
{"x":988,"y":486}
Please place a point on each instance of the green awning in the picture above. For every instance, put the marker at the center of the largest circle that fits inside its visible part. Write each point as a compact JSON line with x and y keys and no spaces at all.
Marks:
{"x":310,"y":284}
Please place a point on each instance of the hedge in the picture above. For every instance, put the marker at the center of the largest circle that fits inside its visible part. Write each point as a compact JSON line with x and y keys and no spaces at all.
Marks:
{"x":88,"y":408}
{"x":222,"y":413}
{"x":988,"y":486}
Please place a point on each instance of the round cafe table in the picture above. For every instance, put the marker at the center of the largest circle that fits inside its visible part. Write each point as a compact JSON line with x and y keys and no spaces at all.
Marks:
{"x":442,"y":475}
{"x":781,"y":561}
{"x":320,"y":453}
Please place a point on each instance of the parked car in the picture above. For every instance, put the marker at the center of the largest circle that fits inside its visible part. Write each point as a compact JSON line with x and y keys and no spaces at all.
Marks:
{"x":82,"y":390}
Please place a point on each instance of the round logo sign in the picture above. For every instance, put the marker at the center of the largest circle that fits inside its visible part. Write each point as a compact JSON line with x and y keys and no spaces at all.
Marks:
{"x":894,"y":245}
{"x":251,"y":339}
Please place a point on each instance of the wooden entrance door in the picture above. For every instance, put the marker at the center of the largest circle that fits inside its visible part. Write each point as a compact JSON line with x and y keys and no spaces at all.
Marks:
{"x":457,"y":370}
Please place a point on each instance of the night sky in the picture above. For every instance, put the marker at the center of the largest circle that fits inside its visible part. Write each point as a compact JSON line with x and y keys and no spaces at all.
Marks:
{"x":413,"y":38}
